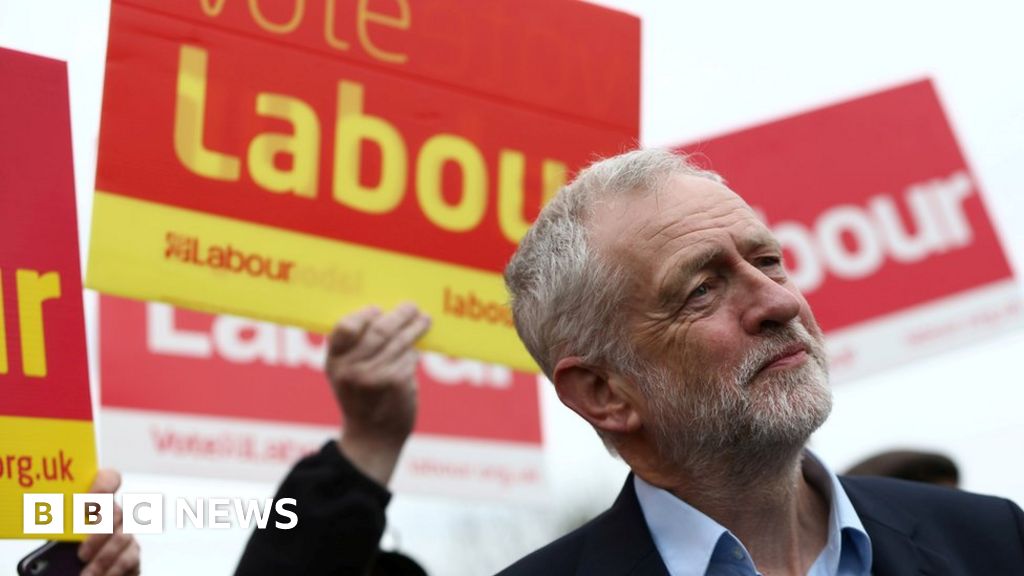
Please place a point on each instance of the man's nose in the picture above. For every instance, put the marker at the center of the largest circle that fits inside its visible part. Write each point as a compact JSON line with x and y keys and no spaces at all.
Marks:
{"x":768,"y":304}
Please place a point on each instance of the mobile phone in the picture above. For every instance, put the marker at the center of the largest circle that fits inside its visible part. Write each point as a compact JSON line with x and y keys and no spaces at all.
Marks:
{"x":52,"y":559}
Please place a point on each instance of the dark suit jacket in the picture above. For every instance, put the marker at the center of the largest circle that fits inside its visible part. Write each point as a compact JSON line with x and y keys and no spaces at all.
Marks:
{"x":915,"y":529}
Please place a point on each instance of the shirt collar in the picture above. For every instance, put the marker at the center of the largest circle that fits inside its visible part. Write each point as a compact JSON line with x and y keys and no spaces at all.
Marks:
{"x":684,"y":536}
{"x":689,"y":541}
{"x":848,"y":550}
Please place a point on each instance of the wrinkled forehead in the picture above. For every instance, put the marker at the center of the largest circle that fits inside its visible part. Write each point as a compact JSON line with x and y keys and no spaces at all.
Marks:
{"x":683,"y":210}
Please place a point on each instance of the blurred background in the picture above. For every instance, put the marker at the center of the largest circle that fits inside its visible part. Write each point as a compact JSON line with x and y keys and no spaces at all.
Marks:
{"x":708,"y":69}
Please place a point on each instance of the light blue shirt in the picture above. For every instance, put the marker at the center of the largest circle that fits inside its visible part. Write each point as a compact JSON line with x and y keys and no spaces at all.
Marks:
{"x":692,"y":544}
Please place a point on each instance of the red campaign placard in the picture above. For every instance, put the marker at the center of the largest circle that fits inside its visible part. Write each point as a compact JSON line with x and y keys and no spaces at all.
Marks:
{"x":155,"y":357}
{"x":209,"y":65}
{"x":872,"y":199}
{"x":407,"y":145}
{"x":43,"y":370}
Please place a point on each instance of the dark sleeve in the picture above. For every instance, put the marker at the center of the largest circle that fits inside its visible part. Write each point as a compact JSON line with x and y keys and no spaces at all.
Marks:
{"x":340,"y":521}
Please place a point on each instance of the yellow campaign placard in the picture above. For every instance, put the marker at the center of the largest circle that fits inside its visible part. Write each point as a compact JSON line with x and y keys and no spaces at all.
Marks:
{"x":296,"y":169}
{"x":47,"y":445}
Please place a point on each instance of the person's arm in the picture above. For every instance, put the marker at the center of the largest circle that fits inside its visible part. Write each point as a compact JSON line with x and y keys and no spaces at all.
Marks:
{"x":341,"y":491}
{"x":115,"y":554}
{"x":340,"y":520}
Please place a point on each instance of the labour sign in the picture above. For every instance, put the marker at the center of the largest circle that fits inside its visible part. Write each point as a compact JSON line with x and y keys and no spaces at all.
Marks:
{"x":190,"y":393}
{"x":882,"y":223}
{"x":293,"y":161}
{"x":46,"y":433}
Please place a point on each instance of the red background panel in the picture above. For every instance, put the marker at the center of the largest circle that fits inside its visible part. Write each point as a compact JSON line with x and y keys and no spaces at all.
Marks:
{"x":133,"y":376}
{"x":534,"y":53}
{"x":796,"y":168}
{"x":38,"y":231}
{"x":137,"y":158}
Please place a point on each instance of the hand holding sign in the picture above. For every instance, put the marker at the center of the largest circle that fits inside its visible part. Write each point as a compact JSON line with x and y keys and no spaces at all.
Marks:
{"x":371,"y":365}
{"x":114,"y":554}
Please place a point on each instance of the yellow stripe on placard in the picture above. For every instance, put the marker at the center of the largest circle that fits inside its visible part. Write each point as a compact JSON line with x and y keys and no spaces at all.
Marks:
{"x":150,"y":251}
{"x":43,"y":455}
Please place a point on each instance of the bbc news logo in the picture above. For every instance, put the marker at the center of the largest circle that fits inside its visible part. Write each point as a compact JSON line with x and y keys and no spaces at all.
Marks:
{"x":144,"y":513}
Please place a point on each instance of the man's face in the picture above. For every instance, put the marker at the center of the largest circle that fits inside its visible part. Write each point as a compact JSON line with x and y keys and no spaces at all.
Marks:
{"x":735,"y":358}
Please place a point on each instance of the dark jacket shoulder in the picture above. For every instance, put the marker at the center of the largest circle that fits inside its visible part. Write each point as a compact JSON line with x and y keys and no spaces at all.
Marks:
{"x":954,"y":532}
{"x":616,"y":542}
{"x":885,"y":498}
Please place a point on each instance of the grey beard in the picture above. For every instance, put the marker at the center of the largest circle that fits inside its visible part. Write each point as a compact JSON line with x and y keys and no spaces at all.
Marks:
{"x":726,"y":423}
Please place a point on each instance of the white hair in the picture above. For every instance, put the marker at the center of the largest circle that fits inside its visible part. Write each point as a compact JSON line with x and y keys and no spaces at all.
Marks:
{"x":565,"y":295}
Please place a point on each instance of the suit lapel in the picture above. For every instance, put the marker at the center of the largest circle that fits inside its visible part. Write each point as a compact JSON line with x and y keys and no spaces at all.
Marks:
{"x":895,"y":548}
{"x":620,"y":543}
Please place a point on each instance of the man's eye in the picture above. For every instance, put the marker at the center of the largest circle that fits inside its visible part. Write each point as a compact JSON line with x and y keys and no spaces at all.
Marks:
{"x":701,"y":290}
{"x":770,"y":261}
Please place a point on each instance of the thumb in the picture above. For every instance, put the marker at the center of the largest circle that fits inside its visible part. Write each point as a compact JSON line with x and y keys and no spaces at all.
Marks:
{"x":107,"y":481}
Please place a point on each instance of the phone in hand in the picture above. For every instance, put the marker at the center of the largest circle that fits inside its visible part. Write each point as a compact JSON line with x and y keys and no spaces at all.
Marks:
{"x":52,"y":559}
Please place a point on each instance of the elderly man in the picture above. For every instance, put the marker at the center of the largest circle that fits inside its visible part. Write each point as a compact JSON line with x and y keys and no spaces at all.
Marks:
{"x":657,"y":302}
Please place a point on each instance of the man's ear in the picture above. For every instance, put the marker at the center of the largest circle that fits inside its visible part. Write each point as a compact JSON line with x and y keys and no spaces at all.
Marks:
{"x":606,"y":401}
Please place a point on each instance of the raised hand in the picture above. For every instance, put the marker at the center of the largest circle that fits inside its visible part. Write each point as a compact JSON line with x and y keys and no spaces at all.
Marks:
{"x":371,"y":365}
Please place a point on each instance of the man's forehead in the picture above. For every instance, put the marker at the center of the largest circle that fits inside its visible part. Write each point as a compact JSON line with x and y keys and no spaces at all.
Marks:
{"x":683,"y":201}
